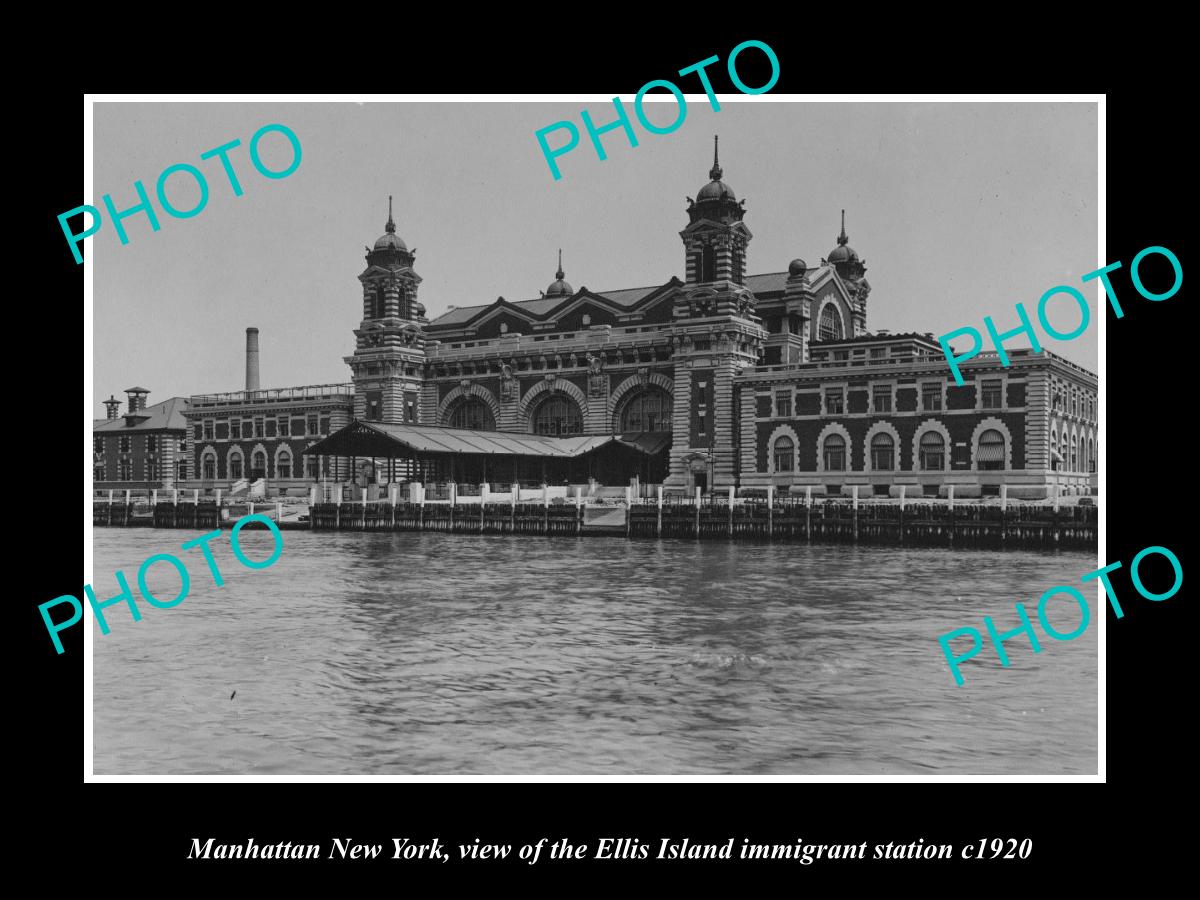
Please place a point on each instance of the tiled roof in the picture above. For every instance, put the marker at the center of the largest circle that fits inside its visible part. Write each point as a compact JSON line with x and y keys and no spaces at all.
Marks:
{"x":627,"y":297}
{"x":167,"y":414}
{"x":770,"y":282}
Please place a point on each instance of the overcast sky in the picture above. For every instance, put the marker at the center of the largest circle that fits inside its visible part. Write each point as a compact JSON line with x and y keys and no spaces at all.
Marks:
{"x":959,"y":211}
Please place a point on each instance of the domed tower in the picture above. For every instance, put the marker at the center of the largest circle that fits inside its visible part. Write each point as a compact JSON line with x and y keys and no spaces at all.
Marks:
{"x":715,"y":239}
{"x":559,"y":288}
{"x":389,"y":341}
{"x":715,"y":333}
{"x":852,"y":271}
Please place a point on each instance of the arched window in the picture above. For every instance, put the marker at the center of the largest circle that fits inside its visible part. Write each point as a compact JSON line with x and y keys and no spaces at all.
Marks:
{"x":557,"y":414}
{"x":647,"y":410}
{"x":883,"y":452}
{"x":831,"y":324}
{"x":1091,"y":455}
{"x":835,"y":453}
{"x":785,"y":454}
{"x":259,"y":469}
{"x":235,"y":465}
{"x":933,"y":452}
{"x":472,"y":413}
{"x":1074,"y":454}
{"x":283,"y":465}
{"x":990,"y":454}
{"x":209,"y":466}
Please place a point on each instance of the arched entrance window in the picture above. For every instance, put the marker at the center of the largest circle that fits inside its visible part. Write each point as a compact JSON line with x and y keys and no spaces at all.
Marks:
{"x":259,"y":467}
{"x":933,"y":451}
{"x":235,"y":465}
{"x":283,"y":465}
{"x":785,"y":454}
{"x":472,"y":413}
{"x":990,"y":454}
{"x":831,"y":324}
{"x":883,"y":452}
{"x":209,"y":466}
{"x":647,"y":410}
{"x":835,"y":453}
{"x":557,"y":414}
{"x":1074,"y":454}
{"x":1091,"y":454}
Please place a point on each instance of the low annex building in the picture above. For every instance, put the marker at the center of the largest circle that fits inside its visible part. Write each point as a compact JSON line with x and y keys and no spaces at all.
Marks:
{"x":144,"y":449}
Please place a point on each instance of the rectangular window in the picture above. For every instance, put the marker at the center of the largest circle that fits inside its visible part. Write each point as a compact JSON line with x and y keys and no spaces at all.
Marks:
{"x":124,"y":443}
{"x":708,"y":264}
{"x":270,"y":428}
{"x":284,"y":430}
{"x":208,"y":429}
{"x":98,"y":444}
{"x":312,"y":425}
{"x":297,"y":427}
{"x":878,"y":352}
{"x":126,"y":473}
{"x":783,"y":405}
{"x":98,"y":473}
{"x":834,"y":402}
{"x":931,"y":397}
{"x":258,"y":428}
{"x":702,"y":427}
{"x":151,"y":443}
{"x":882,"y":399}
{"x":990,"y":393}
{"x":183,"y":445}
{"x":374,"y":406}
{"x":841,"y":355}
{"x":412,"y":411}
{"x":311,"y":465}
{"x":235,"y":429}
{"x":198,"y":431}
{"x":324,"y":424}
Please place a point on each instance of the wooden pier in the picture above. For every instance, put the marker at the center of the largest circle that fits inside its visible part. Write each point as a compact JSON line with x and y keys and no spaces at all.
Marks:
{"x":788,"y":519}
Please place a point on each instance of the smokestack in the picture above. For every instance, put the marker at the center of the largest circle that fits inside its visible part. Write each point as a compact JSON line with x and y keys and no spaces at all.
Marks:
{"x":251,"y":359}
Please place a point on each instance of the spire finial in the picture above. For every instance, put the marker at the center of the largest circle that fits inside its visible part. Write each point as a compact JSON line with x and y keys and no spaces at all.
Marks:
{"x":842,"y":238}
{"x":715,"y":172}
{"x":391,"y":225}
{"x":559,"y":273}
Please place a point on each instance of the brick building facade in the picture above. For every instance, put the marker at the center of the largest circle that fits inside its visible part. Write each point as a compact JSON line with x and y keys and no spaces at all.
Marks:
{"x":757,"y":380}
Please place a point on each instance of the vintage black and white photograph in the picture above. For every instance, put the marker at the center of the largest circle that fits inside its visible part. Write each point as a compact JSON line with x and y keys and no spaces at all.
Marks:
{"x":755,"y":448}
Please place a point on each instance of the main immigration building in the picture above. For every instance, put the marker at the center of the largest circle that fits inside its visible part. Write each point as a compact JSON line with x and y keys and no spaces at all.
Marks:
{"x":714,"y":379}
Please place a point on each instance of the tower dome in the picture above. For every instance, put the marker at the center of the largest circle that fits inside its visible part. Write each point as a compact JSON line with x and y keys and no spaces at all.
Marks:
{"x":390,"y":239}
{"x":716,"y":189}
{"x":843,"y":252}
{"x":716,"y":200}
{"x":559,"y":288}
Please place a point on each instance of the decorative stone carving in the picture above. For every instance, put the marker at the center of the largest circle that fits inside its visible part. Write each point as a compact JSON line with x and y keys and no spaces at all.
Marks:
{"x":596,"y":379}
{"x":508,"y":384}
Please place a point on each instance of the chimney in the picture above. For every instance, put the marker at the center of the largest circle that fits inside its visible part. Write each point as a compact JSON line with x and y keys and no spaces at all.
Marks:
{"x":251,"y":359}
{"x":137,"y":399}
{"x":112,"y":406}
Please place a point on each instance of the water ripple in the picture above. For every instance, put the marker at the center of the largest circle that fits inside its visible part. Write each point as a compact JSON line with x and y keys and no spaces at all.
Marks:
{"x":455,"y":654}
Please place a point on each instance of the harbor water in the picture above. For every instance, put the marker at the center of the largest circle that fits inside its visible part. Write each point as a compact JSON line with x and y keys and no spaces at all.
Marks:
{"x":431,"y":653}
